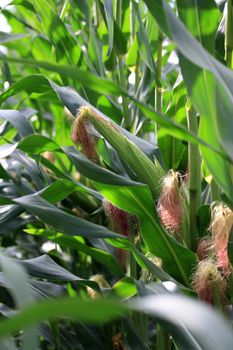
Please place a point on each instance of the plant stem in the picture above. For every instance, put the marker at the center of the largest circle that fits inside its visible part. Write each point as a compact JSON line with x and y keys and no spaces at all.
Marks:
{"x":229,"y":35}
{"x":96,"y":13}
{"x":162,"y":339}
{"x":122,"y":80}
{"x":194,"y":180}
{"x":158,"y":91}
{"x":132,"y":22}
{"x":215,"y":191}
{"x":123,"y":84}
{"x":56,"y":334}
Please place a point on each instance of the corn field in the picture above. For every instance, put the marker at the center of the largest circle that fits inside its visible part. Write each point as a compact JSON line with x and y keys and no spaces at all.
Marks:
{"x":116,"y":175}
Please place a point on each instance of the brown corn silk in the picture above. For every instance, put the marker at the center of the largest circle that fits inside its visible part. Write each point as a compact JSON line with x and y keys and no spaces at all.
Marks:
{"x":120,"y":223}
{"x":83,"y":134}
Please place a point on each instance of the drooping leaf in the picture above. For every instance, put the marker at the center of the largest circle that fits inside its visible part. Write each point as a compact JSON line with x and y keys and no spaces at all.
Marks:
{"x":62,"y":221}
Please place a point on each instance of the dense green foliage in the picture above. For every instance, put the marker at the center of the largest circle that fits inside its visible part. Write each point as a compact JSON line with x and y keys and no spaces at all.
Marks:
{"x":115,"y":222}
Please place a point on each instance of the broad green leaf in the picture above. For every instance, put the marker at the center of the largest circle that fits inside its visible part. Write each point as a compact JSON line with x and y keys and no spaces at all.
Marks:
{"x":75,"y":243}
{"x":3,"y":173}
{"x":201,"y":19}
{"x":221,"y":169}
{"x":6,"y":37}
{"x":18,"y":120}
{"x":67,"y":49}
{"x":37,"y":144}
{"x":102,"y":256}
{"x":9,"y":212}
{"x":205,"y":16}
{"x":34,"y":170}
{"x":72,"y":100}
{"x":120,"y":42}
{"x":124,"y":288}
{"x":108,"y":8}
{"x":143,"y":43}
{"x":216,"y":106}
{"x":35,"y":84}
{"x":194,"y":325}
{"x":43,"y":266}
{"x":63,"y":178}
{"x":214,"y":86}
{"x":7,"y":149}
{"x":177,"y":260}
{"x":68,"y":71}
{"x":156,"y":9}
{"x":58,"y":191}
{"x":17,"y":281}
{"x":62,"y":221}
{"x":97,"y":311}
{"x":8,"y":344}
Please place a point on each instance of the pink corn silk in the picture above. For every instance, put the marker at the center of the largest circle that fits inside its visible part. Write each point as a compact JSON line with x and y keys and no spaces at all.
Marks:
{"x":119,"y":220}
{"x":221,"y":223}
{"x":204,"y":293}
{"x":169,"y":206}
{"x":207,"y":279}
{"x":222,"y":255}
{"x":81,"y":135}
{"x":203,"y":248}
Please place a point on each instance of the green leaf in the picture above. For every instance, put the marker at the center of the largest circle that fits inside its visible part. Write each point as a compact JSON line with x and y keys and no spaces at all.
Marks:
{"x":147,"y":172}
{"x":120,"y":42}
{"x":177,"y":260}
{"x":74,"y":242}
{"x":72,"y":100}
{"x":7,"y":149}
{"x":108,"y":8}
{"x":97,"y":311}
{"x":143,"y":43}
{"x":215,"y":107}
{"x":43,"y":266}
{"x":201,"y":19}
{"x":68,"y":71}
{"x":67,"y":49}
{"x":195,"y":53}
{"x":142,"y":261}
{"x":17,"y":281}
{"x":156,"y":9}
{"x":37,"y":144}
{"x":36,"y":84}
{"x":6,"y":37}
{"x":18,"y":120}
{"x":62,"y":221}
{"x":194,"y":325}
{"x":58,"y":191}
{"x":124,"y":288}
{"x":8,"y":344}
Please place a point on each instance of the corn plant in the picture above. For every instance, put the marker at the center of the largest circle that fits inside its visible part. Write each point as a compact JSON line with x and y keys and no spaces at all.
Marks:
{"x":116,"y":167}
